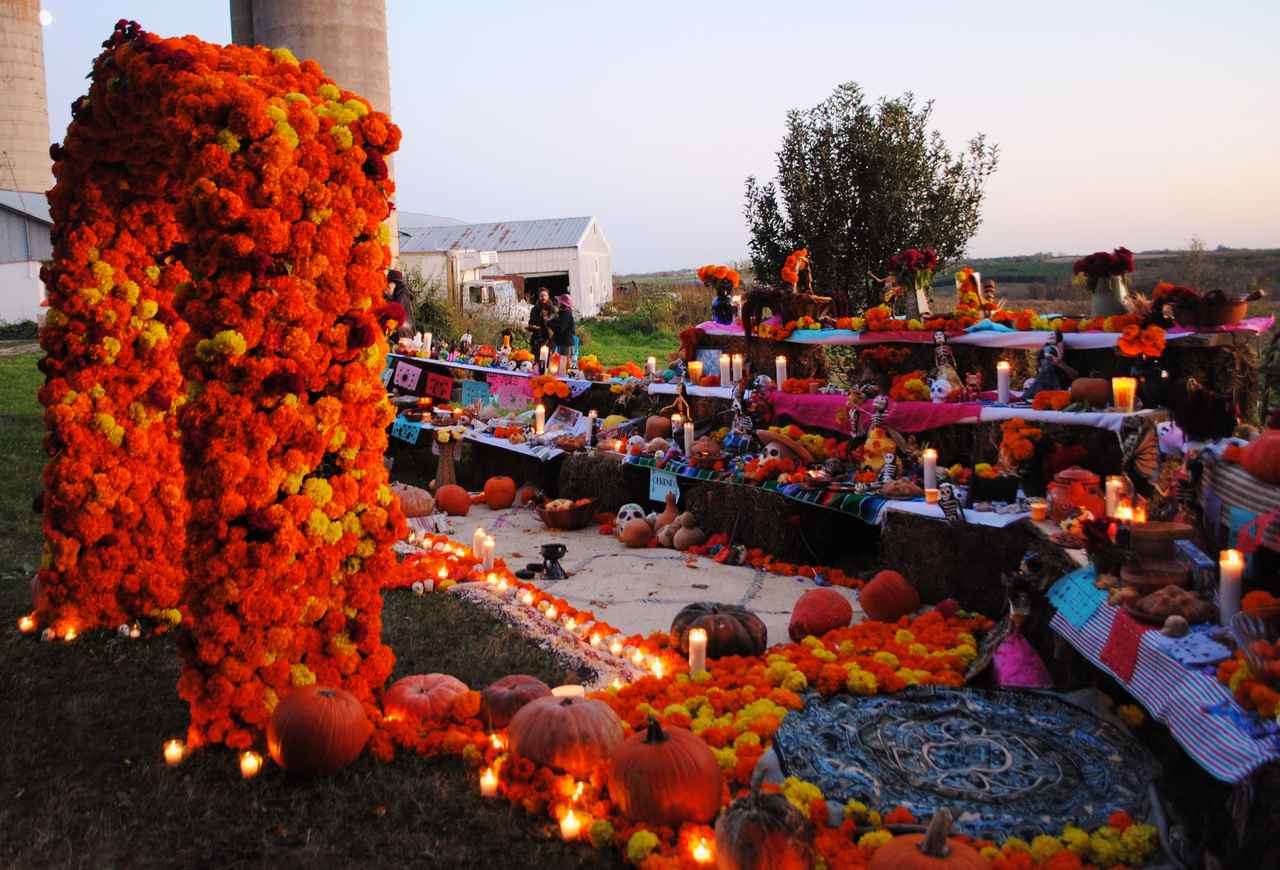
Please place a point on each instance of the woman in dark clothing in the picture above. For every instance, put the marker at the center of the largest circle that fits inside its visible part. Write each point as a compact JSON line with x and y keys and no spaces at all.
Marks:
{"x":541,"y":319}
{"x":562,"y":327}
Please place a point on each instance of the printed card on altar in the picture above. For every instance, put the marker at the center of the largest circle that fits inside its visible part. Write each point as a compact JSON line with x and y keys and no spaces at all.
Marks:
{"x":405,"y":430}
{"x":407,"y":376}
{"x":439,"y":387}
{"x":475,"y":392}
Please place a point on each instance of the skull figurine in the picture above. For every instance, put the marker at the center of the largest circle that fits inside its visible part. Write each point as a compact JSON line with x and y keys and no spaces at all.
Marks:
{"x":939,"y":390}
{"x":627,"y":513}
{"x":774,"y":450}
{"x":526,"y":366}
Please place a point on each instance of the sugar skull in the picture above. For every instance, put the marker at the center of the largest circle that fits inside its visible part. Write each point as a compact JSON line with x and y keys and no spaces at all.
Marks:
{"x":939,"y":390}
{"x":627,"y":513}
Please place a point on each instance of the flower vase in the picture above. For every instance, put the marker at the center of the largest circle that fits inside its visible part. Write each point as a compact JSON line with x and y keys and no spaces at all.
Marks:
{"x":924,"y":295}
{"x":1110,"y":295}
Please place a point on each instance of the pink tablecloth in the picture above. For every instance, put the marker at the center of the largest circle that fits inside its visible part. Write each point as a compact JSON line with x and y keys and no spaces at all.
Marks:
{"x":825,"y":410}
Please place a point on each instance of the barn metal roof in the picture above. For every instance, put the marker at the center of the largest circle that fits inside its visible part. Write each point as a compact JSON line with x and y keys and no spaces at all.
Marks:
{"x":533,"y":235}
{"x":416,"y":220}
{"x":33,"y":205}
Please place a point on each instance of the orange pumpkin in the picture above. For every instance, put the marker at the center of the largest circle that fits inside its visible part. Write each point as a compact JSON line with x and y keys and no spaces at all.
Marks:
{"x":665,"y":777}
{"x":932,"y":850}
{"x":817,"y":612}
{"x":888,"y":597}
{"x":317,"y":730}
{"x":423,"y":697}
{"x":731,"y":630}
{"x":453,"y":500}
{"x":763,"y":832}
{"x":636,"y":533}
{"x":571,"y":734}
{"x":1093,"y":391}
{"x":657,"y":427}
{"x":504,"y":697}
{"x":1260,"y":457}
{"x":499,"y":493}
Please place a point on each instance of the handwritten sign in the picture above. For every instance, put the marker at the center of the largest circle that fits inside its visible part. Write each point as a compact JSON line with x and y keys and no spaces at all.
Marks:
{"x":474,"y":392}
{"x":405,"y":430}
{"x":661,"y":483}
{"x":511,"y":391}
{"x":407,"y":376}
{"x":439,"y":387}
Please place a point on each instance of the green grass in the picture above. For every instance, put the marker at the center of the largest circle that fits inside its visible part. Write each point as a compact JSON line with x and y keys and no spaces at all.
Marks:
{"x":82,"y":778}
{"x":615,"y":346}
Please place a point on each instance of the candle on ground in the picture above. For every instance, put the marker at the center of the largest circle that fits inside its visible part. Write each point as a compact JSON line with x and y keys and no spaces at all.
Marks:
{"x":27,"y":624}
{"x":539,"y":420}
{"x":1004,"y":371}
{"x":174,"y":752}
{"x":695,"y":372}
{"x":595,"y":639}
{"x":702,"y":853}
{"x":569,"y":691}
{"x":780,"y":370}
{"x":477,"y":541}
{"x":570,"y":826}
{"x":737,"y":367}
{"x":697,"y":650}
{"x":1122,"y":393}
{"x":930,"y":460}
{"x":488,"y":783}
{"x":250,"y":764}
{"x":1230,"y":572}
{"x":688,"y":439}
{"x":658,"y":668}
{"x":503,"y":588}
{"x":616,"y":648}
{"x":726,"y":370}
{"x":552,"y":613}
{"x":526,"y":598}
{"x":488,"y":548}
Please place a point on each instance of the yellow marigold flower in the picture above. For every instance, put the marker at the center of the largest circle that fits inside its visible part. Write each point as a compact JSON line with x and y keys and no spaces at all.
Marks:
{"x":795,"y":682}
{"x":887,"y":659}
{"x":903,"y":636}
{"x":384,"y":234}
{"x":295,"y":97}
{"x":275,"y":113}
{"x":1017,"y":844}
{"x":1045,"y":847}
{"x":1105,"y":847}
{"x":129,"y":291}
{"x":270,"y":699}
{"x":747,"y":738}
{"x":727,"y":758}
{"x":1131,"y":715}
{"x":855,"y":810}
{"x":340,"y":644}
{"x":147,"y":308}
{"x":319,"y":490}
{"x":824,"y":655}
{"x":918,"y":649}
{"x":300,"y":675}
{"x":342,"y":135}
{"x":702,"y":677}
{"x":284,"y":55}
{"x":601,"y":834}
{"x":672,"y":709}
{"x":965,"y":637}
{"x":317,"y":523}
{"x":640,"y":845}
{"x":1141,"y":843}
{"x":861,"y":682}
{"x":812,"y":642}
{"x":328,"y":91}
{"x":991,"y":853}
{"x":800,"y":793}
{"x":357,"y":107}
{"x":1076,"y":839}
{"x":874,"y":840}
{"x":152,"y":273}
{"x":286,"y":132}
{"x":965,"y":653}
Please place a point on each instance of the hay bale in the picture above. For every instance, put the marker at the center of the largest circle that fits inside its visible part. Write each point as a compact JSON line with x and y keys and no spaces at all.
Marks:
{"x":586,"y":475}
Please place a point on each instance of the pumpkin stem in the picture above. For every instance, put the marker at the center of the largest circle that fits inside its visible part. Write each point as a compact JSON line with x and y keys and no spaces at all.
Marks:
{"x":934,"y":844}
{"x":654,"y":733}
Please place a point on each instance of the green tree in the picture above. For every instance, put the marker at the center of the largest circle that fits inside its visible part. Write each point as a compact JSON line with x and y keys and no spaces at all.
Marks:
{"x":858,"y":182}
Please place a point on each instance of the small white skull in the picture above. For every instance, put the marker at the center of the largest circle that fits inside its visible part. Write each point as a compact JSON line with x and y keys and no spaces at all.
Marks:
{"x":774,"y":450}
{"x":939,"y":390}
{"x":627,"y":513}
{"x":526,"y":366}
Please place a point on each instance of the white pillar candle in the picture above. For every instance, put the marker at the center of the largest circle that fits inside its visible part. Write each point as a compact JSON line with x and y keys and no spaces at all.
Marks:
{"x":477,"y":542}
{"x":569,"y":691}
{"x":737,"y":367}
{"x":1115,"y":486}
{"x":488,"y":548}
{"x":539,"y":420}
{"x":570,"y":826}
{"x":426,"y":343}
{"x":1003,"y":372}
{"x":650,"y":366}
{"x":591,"y":427}
{"x":695,"y":372}
{"x":174,"y":752}
{"x":930,"y":460}
{"x":543,"y":353}
{"x":697,"y":650}
{"x":726,"y":370}
{"x":780,"y":370}
{"x":1230,"y":572}
{"x":688,"y":439}
{"x":488,"y":783}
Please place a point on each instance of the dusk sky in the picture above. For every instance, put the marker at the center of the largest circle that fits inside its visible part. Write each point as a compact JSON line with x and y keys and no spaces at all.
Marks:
{"x":1140,"y":124}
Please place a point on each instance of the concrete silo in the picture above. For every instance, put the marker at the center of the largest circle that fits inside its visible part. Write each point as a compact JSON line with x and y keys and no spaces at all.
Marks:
{"x":24,"y":134}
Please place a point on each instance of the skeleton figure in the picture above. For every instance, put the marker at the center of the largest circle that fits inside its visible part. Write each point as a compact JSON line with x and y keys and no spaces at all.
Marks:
{"x":944,"y":360}
{"x":950,"y":504}
{"x":879,"y":408}
{"x":972,"y":386}
{"x":888,"y":471}
{"x":742,"y":428}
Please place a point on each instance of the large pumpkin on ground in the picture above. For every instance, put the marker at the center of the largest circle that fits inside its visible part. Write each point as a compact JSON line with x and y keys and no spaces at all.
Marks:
{"x":1261,"y":456}
{"x":423,"y":697}
{"x":731,"y":630}
{"x":499,"y":493}
{"x":665,"y":777}
{"x":317,"y":730}
{"x":571,"y":734}
{"x":763,"y":832}
{"x":888,"y":597}
{"x":504,"y":697}
{"x":453,"y":500}
{"x":414,"y":500}
{"x":932,"y":850}
{"x":817,"y":612}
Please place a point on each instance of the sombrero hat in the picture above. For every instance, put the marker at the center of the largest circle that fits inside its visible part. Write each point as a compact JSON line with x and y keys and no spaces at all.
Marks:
{"x":767,"y":437}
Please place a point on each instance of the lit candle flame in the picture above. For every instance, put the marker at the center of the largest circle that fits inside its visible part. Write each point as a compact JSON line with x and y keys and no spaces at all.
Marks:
{"x":70,"y":635}
{"x":657,"y":668}
{"x":616,"y":647}
{"x":488,"y":782}
{"x":702,"y":852}
{"x":496,"y":740}
{"x":595,"y":640}
{"x":250,"y":764}
{"x":552,"y":613}
{"x":637,"y":658}
{"x":174,"y":752}
{"x":27,"y":624}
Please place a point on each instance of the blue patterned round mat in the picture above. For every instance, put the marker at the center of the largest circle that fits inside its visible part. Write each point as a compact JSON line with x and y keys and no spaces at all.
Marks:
{"x":1005,"y":762}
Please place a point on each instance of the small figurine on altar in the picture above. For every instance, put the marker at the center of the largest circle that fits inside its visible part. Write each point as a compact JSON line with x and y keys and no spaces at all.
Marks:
{"x":940,"y":390}
{"x":991,"y":300}
{"x":944,"y":361}
{"x":893,"y":292}
{"x":949,"y":501}
{"x":1053,"y":372}
{"x":888,"y":470}
{"x":972,"y":386}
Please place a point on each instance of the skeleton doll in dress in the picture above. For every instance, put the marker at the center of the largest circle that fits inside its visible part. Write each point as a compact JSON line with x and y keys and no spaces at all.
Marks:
{"x":889,"y":470}
{"x":944,"y":361}
{"x":950,"y":504}
{"x":880,"y":438}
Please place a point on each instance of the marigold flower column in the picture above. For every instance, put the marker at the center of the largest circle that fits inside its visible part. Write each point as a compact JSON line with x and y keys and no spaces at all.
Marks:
{"x":113,"y":504}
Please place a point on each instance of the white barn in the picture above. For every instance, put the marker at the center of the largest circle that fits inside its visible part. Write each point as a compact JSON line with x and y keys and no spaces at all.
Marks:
{"x":562,"y":255}
{"x":25,"y":243}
